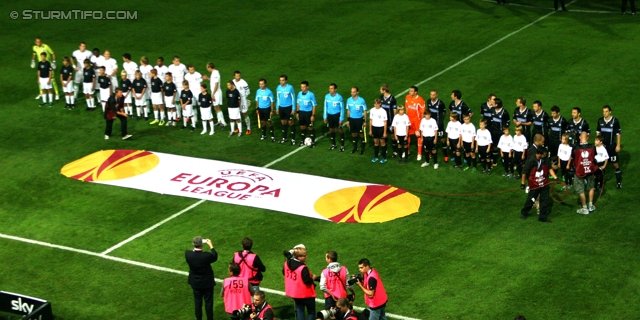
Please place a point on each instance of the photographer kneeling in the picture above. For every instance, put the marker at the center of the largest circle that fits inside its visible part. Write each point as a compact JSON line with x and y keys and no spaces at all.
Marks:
{"x":258,"y":310}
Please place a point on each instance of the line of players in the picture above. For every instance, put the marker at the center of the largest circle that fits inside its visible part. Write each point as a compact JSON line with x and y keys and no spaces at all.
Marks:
{"x":176,"y":87}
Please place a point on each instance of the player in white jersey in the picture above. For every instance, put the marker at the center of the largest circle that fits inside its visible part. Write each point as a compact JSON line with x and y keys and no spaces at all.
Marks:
{"x":129,"y":66}
{"x":79,"y":56}
{"x":178,"y":70}
{"x":429,"y":132}
{"x":195,"y":79}
{"x":243,"y":88}
{"x":111,"y":69}
{"x":519,"y":146}
{"x":145,"y":71}
{"x":468,"y":133}
{"x":506,"y":148}
{"x":96,"y":61}
{"x":378,"y":130}
{"x":161,"y":69}
{"x":602,"y":159}
{"x":216,"y":92}
{"x":454,"y":141}
{"x":401,"y":124}
{"x":483,"y":146}
{"x":564,"y":155}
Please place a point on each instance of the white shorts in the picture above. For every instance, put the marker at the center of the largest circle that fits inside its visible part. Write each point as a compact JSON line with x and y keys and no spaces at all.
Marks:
{"x":156,"y":97}
{"x":244,"y":104}
{"x":44,"y":85}
{"x":78,"y":77}
{"x":187,"y":111}
{"x":127,"y":97}
{"x":169,"y":102}
{"x":178,"y":93}
{"x":105,"y":94}
{"x":141,"y":102}
{"x":234,"y":113}
{"x":68,"y":88}
{"x":114,"y":84}
{"x":205,"y":114}
{"x":218,"y":96}
{"x":87,"y":88}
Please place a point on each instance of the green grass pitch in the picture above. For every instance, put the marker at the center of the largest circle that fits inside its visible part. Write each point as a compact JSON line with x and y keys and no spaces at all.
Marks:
{"x":460,"y":257}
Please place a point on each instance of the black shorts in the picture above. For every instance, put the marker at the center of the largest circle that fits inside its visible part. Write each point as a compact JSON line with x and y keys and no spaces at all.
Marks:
{"x":333,"y":120}
{"x":613,"y":155}
{"x":553,"y":148}
{"x":304,"y":118}
{"x":402,"y":140}
{"x":482,"y":152}
{"x":453,"y":144}
{"x":285,"y":113}
{"x":468,"y":147}
{"x":517,"y":156}
{"x":265,"y":114}
{"x":355,"y":125}
{"x":377,"y":132}
{"x":427,"y":143}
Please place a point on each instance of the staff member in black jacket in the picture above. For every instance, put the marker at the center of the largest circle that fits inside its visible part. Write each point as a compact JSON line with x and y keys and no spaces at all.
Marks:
{"x":201,"y":276}
{"x":115,"y":108}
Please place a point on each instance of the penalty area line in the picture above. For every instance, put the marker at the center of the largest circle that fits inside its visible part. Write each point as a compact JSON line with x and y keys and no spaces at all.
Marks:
{"x":154,"y":267}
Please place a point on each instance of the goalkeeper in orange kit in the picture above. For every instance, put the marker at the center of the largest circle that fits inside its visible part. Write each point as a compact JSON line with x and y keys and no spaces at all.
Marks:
{"x":415,"y":107}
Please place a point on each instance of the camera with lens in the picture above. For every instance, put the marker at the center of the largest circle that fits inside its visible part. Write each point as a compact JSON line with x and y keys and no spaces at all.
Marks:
{"x":326,"y":314}
{"x":355,"y":279}
{"x":242,"y":312}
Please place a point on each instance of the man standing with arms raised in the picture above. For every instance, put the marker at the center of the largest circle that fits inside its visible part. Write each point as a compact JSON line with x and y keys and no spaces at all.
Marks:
{"x":201,"y":276}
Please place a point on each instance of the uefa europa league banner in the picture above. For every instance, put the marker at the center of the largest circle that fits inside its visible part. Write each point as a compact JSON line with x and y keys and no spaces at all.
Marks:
{"x":300,"y":194}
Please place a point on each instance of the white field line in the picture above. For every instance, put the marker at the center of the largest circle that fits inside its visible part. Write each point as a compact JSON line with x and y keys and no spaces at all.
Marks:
{"x":545,"y":8}
{"x":153,"y":267}
{"x":482,"y":50}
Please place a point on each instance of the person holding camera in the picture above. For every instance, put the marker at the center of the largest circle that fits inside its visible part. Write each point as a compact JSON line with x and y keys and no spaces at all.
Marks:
{"x":333,"y":281}
{"x":201,"y":276}
{"x":251,"y":266}
{"x":344,"y":308}
{"x":260,"y":309}
{"x":374,"y":294}
{"x":298,"y":284}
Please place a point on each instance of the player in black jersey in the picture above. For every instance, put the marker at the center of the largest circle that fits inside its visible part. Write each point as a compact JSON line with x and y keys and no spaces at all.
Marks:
{"x":486,"y":107}
{"x":169,"y":89}
{"x":104,"y":82}
{"x":66,"y":78}
{"x":390,"y":105}
{"x":45,"y":79}
{"x":457,"y":105}
{"x":438,"y":113}
{"x":125,"y":86}
{"x":139,"y":87}
{"x":557,"y":125}
{"x":609,"y":128}
{"x":576,"y":126}
{"x":156,"y":98}
{"x":522,"y":117}
{"x":88,"y":77}
{"x":499,"y":121}
{"x":539,"y":120}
